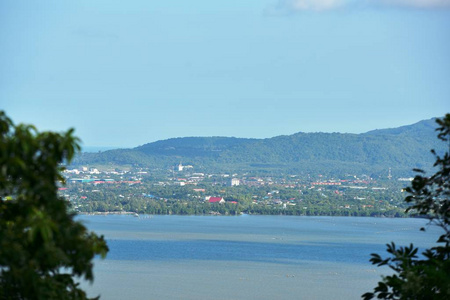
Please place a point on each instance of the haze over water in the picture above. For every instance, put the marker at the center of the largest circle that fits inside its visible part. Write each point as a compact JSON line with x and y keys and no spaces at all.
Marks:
{"x":246,"y":257}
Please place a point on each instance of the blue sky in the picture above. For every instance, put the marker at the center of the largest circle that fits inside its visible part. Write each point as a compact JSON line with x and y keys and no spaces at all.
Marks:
{"x":124,"y":73}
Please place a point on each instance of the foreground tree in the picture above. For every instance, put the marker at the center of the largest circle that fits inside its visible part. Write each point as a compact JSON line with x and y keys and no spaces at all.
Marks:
{"x":42,"y":248}
{"x":426,"y":277}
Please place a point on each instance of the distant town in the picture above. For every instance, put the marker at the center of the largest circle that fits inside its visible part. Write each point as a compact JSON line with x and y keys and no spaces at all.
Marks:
{"x":182,"y":190}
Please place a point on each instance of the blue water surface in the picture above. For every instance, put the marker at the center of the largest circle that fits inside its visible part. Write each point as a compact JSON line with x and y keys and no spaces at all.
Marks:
{"x":248,"y":257}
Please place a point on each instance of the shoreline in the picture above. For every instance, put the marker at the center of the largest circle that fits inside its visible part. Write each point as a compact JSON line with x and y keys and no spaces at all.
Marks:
{"x":134,"y":214}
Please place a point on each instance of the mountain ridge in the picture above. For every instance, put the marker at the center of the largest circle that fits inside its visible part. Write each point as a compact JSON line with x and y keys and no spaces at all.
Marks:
{"x":423,"y":124}
{"x":402,"y":149}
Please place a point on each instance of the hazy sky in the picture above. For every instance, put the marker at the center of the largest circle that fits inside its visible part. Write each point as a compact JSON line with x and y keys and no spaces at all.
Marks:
{"x":125,"y":73}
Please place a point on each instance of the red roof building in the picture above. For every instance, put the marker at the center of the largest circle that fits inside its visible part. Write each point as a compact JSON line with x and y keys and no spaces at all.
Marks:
{"x":216,"y":200}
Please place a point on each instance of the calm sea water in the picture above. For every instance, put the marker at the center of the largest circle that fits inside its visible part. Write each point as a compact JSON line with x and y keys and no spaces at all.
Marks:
{"x":245,"y":257}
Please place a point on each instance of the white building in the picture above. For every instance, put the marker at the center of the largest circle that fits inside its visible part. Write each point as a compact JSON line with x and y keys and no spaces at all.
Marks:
{"x":234,"y":182}
{"x":94,"y":171}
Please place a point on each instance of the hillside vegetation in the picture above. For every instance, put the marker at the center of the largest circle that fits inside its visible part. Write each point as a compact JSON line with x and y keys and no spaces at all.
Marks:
{"x":400,"y":149}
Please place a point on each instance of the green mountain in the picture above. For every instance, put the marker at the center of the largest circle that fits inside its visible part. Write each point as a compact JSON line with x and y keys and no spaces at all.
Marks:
{"x":400,"y":149}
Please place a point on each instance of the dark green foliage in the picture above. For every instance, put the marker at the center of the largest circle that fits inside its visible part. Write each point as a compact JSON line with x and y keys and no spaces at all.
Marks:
{"x":42,"y":248}
{"x":427,"y":277}
{"x":401,"y":149}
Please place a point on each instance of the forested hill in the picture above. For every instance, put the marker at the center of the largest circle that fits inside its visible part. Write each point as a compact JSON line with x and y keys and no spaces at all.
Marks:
{"x":401,"y":149}
{"x":420,"y":129}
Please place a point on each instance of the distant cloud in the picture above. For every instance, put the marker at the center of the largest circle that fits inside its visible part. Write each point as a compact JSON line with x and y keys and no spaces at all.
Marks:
{"x":327,"y":5}
{"x":315,"y":5}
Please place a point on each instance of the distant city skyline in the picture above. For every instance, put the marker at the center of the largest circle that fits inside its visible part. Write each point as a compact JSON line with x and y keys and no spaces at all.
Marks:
{"x":125,"y":74}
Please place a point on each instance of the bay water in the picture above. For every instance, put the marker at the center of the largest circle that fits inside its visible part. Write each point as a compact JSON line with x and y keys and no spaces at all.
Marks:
{"x":245,"y":257}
